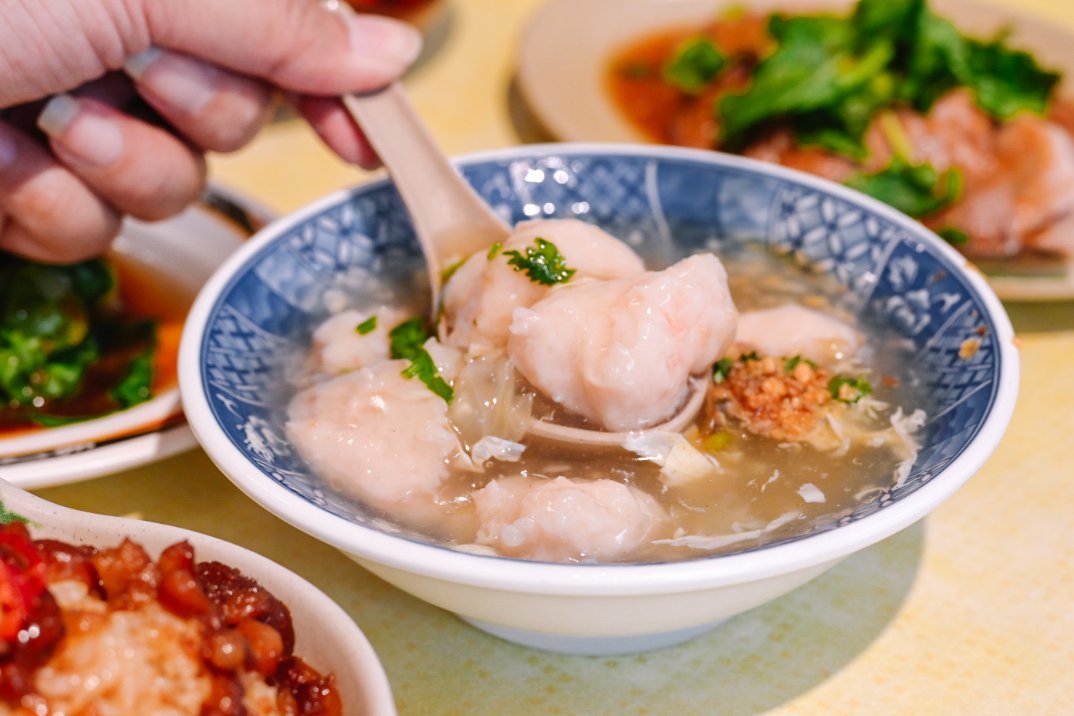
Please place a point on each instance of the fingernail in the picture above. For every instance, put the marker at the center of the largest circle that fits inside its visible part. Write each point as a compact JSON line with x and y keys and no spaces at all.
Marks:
{"x":176,"y":80}
{"x":9,"y":150}
{"x":83,"y":134}
{"x":382,"y":39}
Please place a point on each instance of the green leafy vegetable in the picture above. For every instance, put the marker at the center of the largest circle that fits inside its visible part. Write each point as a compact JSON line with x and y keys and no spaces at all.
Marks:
{"x":66,"y":353}
{"x":7,"y":516}
{"x":936,"y":59}
{"x":407,"y":341}
{"x":137,"y":385}
{"x":848,"y":389}
{"x":953,"y":236}
{"x":367,"y":326}
{"x":890,"y":19}
{"x":915,"y":189}
{"x":814,"y":68}
{"x":829,"y":75}
{"x":791,"y":363}
{"x":694,"y":65}
{"x":542,"y":263}
{"x":841,"y":127}
{"x":1007,"y":81}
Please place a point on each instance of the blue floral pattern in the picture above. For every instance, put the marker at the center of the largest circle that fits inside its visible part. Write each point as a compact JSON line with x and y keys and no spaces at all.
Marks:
{"x":362,"y":247}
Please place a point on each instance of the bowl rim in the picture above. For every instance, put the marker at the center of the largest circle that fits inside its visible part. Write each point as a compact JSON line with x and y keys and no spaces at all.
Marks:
{"x":601,"y":579}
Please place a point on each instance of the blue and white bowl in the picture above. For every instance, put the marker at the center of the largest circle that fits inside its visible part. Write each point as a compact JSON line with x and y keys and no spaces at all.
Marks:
{"x":259,"y":309}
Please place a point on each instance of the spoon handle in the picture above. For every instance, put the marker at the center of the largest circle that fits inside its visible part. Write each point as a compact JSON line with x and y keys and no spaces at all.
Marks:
{"x":450,"y":219}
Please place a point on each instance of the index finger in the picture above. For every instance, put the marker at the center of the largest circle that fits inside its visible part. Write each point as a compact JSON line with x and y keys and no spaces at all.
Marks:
{"x":298,"y":45}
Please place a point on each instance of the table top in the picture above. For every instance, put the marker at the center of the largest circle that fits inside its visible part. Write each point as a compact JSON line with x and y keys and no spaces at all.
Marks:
{"x":949,"y":616}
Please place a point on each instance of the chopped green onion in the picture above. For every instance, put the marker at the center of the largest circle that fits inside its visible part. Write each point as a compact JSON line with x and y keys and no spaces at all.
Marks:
{"x":721,"y":370}
{"x":367,"y":326}
{"x":542,"y":263}
{"x":848,"y":389}
{"x":407,"y":341}
{"x":450,"y":270}
{"x":137,"y":385}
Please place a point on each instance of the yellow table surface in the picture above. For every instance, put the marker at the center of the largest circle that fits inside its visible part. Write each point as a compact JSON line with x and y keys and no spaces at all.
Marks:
{"x":967,"y":612}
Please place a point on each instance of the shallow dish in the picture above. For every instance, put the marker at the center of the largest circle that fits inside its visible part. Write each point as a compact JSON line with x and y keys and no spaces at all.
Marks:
{"x":325,"y":635}
{"x":256,"y":314}
{"x":566,"y":47}
{"x":185,"y":250}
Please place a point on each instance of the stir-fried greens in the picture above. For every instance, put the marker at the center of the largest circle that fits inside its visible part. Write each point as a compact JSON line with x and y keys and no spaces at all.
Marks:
{"x":828,"y":81}
{"x":66,"y":351}
{"x":829,"y":75}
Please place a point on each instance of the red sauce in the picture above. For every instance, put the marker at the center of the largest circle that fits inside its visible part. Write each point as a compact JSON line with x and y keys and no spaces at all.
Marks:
{"x":662,"y":112}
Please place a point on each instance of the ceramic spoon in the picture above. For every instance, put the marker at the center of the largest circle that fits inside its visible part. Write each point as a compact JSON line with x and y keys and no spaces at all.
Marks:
{"x":452,"y":222}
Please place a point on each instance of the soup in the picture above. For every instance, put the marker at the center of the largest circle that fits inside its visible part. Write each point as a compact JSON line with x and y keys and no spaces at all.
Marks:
{"x":809,"y":412}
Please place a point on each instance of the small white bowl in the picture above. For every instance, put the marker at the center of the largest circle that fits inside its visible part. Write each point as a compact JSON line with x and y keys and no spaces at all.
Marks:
{"x":257,"y":312}
{"x":170,"y":260}
{"x":325,"y":636}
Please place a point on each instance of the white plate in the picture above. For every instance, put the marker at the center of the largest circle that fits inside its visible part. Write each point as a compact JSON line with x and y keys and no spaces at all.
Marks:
{"x":186,"y":249}
{"x":565,"y":49}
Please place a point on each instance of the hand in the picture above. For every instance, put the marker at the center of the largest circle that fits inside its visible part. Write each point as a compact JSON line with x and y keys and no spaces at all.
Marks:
{"x":109,"y":105}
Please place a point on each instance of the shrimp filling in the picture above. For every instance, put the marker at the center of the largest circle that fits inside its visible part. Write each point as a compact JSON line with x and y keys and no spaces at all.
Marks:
{"x":807,"y":412}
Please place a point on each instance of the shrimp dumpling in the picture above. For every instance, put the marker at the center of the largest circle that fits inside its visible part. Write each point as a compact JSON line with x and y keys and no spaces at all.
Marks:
{"x":377,"y":436}
{"x":482,"y":294}
{"x":566,"y":519}
{"x":791,"y":329}
{"x":621,"y":352}
{"x":338,"y":345}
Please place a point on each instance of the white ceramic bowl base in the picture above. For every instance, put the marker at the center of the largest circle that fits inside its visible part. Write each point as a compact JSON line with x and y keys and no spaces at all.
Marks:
{"x":591,"y":626}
